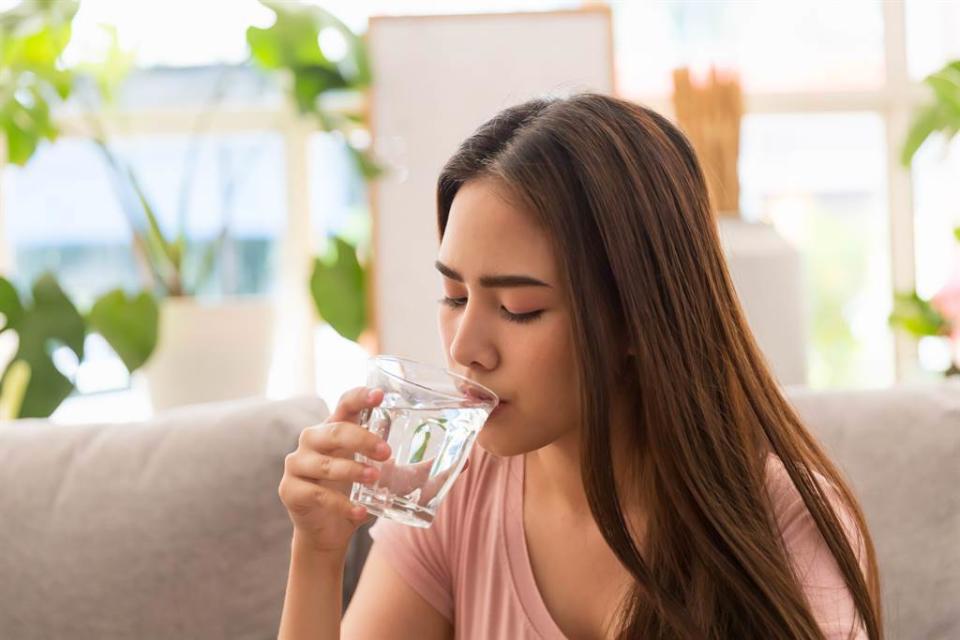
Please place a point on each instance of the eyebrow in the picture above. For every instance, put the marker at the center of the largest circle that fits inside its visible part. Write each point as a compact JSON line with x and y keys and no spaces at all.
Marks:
{"x":490,"y":282}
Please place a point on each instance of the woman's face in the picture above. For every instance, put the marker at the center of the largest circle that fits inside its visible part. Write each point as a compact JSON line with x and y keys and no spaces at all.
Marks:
{"x":510,"y":335}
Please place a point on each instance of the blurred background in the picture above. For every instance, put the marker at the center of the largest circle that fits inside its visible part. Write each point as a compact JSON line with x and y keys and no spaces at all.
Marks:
{"x":167,"y":158}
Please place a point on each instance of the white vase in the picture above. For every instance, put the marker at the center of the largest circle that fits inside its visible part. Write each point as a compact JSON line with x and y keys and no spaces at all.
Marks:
{"x":767,"y":273}
{"x":209,"y":351}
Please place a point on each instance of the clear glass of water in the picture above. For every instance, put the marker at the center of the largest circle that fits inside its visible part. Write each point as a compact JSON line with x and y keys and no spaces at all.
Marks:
{"x":430,"y":417}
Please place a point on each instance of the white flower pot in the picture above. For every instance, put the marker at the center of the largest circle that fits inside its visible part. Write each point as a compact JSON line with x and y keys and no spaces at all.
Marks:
{"x":210,"y":351}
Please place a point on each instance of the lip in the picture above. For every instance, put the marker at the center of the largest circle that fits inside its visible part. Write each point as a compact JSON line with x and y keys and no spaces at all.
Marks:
{"x":479,"y":393}
{"x":498,"y":409}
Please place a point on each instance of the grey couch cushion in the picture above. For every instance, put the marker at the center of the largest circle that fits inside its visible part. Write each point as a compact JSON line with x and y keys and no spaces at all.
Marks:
{"x":900,"y":449}
{"x":170,"y":528}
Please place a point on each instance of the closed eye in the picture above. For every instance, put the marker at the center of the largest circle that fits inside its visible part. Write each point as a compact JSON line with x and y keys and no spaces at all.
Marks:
{"x":519,"y":318}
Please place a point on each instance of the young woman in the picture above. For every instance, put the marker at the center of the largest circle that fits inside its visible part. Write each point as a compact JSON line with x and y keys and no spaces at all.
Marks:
{"x":645,"y":477}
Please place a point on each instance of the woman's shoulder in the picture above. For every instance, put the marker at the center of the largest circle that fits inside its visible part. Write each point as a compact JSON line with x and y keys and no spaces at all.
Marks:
{"x":788,"y":504}
{"x":812,"y":559}
{"x":787,"y":501}
{"x":797,"y":526}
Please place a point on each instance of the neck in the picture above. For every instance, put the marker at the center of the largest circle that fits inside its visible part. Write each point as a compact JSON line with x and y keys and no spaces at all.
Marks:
{"x":553,"y":472}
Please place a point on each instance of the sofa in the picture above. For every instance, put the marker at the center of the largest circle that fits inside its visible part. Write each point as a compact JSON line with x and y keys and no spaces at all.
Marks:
{"x":172,"y":527}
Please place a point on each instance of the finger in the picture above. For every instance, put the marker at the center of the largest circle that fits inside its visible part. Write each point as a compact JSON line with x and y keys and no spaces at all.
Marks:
{"x":345,"y":436}
{"x":303,"y":498}
{"x":317,"y":466}
{"x":353,"y":402}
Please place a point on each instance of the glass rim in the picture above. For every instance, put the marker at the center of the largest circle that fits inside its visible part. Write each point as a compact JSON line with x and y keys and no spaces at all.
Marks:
{"x":378,"y":358}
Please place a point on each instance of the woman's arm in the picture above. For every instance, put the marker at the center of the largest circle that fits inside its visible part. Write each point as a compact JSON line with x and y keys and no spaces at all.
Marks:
{"x":316,"y":482}
{"x":385,"y":606}
{"x":313,"y":602}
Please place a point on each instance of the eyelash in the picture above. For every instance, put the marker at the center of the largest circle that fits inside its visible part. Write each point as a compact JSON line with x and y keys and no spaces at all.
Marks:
{"x":519,"y":318}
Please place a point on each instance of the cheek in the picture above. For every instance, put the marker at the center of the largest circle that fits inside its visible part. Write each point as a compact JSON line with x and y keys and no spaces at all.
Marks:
{"x":549,"y":381}
{"x":552,"y":372}
{"x":550,"y":351}
{"x":546,"y":398}
{"x":545,"y":352}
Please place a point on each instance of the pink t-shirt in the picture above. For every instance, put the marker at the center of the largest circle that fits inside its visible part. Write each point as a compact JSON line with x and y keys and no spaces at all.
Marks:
{"x":472,"y":563}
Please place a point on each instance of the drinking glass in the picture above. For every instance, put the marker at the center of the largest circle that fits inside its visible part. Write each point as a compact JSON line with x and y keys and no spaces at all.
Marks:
{"x":430,"y":417}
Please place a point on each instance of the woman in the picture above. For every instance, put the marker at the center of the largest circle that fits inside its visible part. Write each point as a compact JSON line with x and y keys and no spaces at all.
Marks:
{"x":646,"y":478}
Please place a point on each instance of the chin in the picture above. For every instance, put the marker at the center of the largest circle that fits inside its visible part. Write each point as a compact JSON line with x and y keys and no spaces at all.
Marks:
{"x":501,"y":442}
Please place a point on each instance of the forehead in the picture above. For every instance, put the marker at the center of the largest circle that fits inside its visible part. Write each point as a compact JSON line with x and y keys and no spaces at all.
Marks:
{"x":486,"y":233}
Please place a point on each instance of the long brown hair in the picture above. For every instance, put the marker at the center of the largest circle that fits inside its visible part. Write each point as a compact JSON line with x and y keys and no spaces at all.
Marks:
{"x":622,"y":197}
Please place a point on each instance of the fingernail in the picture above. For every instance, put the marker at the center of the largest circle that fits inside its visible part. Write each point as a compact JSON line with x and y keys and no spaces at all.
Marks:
{"x":382,"y":449}
{"x":371,"y":395}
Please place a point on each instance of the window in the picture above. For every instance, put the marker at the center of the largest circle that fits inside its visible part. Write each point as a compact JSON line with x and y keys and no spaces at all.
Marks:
{"x":775,"y":46}
{"x":937,"y":213}
{"x":829,"y":89}
{"x":66,"y":217}
{"x":819,"y":179}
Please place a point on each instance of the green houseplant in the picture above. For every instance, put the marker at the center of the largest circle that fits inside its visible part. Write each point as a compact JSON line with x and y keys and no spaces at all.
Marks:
{"x":33,"y":81}
{"x":32,"y":386}
{"x":291,"y":46}
{"x":33,"y":35}
{"x":32,"y":38}
{"x":940,"y":315}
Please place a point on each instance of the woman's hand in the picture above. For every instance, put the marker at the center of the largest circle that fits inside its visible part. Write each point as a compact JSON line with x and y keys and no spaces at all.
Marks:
{"x":317,"y":476}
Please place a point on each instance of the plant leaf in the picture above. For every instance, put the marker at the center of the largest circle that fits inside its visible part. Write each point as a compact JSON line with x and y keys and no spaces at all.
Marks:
{"x":417,"y":456}
{"x":10,"y":305}
{"x":164,"y":254}
{"x":925,"y":122}
{"x":145,"y":244}
{"x":50,"y":319}
{"x":33,"y":35}
{"x":128,"y":324}
{"x":943,"y":114}
{"x":337,"y":286}
{"x":292,"y":44}
{"x":264,"y":48}
{"x":109,"y":72}
{"x":946,"y":86}
{"x":917,"y":316}
{"x":427,"y":424}
{"x":13,"y":389}
{"x":55,"y":315}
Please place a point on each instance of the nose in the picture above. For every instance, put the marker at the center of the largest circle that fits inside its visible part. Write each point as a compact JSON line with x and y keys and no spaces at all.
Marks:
{"x":472,"y":345}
